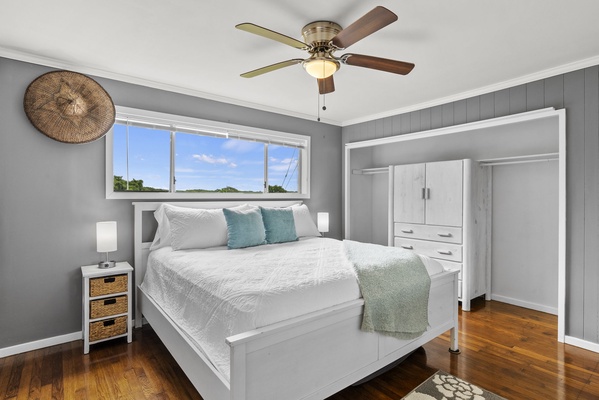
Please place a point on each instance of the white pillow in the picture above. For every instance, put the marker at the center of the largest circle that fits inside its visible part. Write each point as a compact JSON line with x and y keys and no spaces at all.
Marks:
{"x":197,"y":228}
{"x":304,"y":224}
{"x":190,"y":228}
{"x":163,"y":232}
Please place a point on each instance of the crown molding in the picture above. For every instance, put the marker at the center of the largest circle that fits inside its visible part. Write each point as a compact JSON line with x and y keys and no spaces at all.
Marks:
{"x":544,"y":74}
{"x":59,"y":64}
{"x":55,"y":63}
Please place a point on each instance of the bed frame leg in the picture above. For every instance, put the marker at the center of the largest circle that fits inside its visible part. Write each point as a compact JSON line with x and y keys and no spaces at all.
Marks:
{"x":454,"y":347}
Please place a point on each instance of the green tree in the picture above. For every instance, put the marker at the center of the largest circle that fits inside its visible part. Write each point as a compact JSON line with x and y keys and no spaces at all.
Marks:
{"x":120,"y":185}
{"x":276,"y":189}
{"x":227,"y":189}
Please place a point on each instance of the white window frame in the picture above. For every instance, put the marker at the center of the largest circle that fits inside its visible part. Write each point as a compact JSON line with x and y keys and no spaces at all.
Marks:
{"x":190,"y":124}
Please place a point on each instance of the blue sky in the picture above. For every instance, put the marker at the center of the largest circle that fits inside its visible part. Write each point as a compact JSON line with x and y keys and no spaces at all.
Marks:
{"x":202,"y":162}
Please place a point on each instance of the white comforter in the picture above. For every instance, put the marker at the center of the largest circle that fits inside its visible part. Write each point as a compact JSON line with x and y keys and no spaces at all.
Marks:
{"x":216,"y":293}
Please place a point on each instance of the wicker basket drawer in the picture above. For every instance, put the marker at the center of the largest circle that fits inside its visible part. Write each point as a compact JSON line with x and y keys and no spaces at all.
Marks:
{"x":107,"y":328}
{"x":108,"y":306}
{"x":107,"y":285}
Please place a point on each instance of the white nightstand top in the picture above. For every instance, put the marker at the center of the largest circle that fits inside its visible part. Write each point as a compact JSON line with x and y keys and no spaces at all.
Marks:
{"x":90,"y":271}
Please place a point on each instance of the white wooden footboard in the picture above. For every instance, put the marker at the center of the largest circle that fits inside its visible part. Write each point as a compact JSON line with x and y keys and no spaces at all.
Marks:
{"x":315,"y":356}
{"x":309,"y":357}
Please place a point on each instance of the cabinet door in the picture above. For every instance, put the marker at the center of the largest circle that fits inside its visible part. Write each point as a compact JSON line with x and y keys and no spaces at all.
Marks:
{"x":408,"y":201}
{"x":444,"y":196}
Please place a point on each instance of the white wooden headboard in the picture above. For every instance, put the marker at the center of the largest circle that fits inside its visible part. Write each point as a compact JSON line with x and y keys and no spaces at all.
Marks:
{"x":142,"y":249}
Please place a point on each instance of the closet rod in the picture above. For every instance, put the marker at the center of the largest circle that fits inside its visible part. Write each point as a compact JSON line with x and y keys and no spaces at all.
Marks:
{"x":519,"y":159}
{"x":370,"y":171}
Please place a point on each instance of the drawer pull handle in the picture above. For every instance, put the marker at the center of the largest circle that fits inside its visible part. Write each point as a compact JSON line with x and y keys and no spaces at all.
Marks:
{"x":109,"y":322}
{"x":407,"y":231}
{"x":109,"y":280}
{"x":444,"y":234}
{"x":445,"y":252}
{"x":109,"y":301}
{"x":407,"y":247}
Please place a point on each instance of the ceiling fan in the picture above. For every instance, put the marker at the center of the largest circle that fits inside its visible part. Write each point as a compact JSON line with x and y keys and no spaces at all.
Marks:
{"x":322,"y":39}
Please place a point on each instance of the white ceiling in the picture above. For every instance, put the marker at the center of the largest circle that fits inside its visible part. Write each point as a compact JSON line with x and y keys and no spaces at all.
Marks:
{"x":460,"y":48}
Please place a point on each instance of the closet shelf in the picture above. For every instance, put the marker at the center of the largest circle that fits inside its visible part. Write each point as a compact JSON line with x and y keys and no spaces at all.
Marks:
{"x":370,"y":171}
{"x":519,"y":159}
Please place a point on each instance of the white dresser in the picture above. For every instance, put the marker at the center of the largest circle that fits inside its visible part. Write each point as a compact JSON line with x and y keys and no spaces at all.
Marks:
{"x":439,"y":209}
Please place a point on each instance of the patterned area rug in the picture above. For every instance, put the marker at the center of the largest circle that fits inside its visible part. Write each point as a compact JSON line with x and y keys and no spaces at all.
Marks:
{"x":443,"y":386}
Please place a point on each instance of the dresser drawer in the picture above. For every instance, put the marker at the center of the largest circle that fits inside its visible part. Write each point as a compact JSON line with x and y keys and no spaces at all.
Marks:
{"x":108,"y":306}
{"x":107,"y":328}
{"x":443,"y":251}
{"x":447,"y":234}
{"x":107,"y":285}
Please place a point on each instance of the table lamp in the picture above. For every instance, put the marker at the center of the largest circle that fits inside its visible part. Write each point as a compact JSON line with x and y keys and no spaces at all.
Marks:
{"x":106,"y":240}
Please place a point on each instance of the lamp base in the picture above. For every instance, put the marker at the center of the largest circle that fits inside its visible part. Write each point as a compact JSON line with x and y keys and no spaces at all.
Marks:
{"x":106,"y":264}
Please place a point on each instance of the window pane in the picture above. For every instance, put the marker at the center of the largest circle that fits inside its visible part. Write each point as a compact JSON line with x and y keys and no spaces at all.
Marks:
{"x":148,"y":167}
{"x":215,"y":164}
{"x":283,"y":169}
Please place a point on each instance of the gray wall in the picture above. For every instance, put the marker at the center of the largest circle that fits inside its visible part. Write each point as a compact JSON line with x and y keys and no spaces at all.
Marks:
{"x":578,"y":93}
{"x":52,"y":194}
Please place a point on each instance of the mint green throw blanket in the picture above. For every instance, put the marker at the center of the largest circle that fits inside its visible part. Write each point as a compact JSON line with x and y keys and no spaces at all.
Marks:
{"x":395,"y":286}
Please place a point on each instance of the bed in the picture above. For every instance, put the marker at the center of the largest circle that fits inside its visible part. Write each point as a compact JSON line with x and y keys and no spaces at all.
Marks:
{"x":311,"y":355}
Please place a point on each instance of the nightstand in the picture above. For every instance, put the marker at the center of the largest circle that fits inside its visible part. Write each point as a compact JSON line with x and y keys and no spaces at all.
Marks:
{"x":107,"y":312}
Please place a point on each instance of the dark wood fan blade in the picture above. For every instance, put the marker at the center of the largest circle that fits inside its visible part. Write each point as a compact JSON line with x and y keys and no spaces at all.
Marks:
{"x":326,"y":85}
{"x":382,"y":64}
{"x":377,"y":18}
{"x":270,"y":68}
{"x":276,"y":36}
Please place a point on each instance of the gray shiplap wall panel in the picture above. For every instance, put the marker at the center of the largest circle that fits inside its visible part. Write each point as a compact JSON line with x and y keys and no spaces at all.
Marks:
{"x":554,"y":92}
{"x":425,"y":119}
{"x":459,"y":112}
{"x":574,"y":103}
{"x":415,"y":121}
{"x":404,"y":124}
{"x":535,"y":95}
{"x":447,"y":114}
{"x":388,"y":127}
{"x":487,"y":106}
{"x":371,"y":130}
{"x":518,"y":99}
{"x":473,"y":109}
{"x":502,"y":103}
{"x":591,"y":211}
{"x":379,"y":129}
{"x":578,"y":93}
{"x":436,"y":117}
{"x":396,"y":124}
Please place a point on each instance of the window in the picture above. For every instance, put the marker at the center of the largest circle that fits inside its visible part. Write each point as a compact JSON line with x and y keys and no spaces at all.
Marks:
{"x":159,"y":156}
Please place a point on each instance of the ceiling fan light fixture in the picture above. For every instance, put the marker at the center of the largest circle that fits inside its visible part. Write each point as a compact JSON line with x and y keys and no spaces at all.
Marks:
{"x":321,"y":68}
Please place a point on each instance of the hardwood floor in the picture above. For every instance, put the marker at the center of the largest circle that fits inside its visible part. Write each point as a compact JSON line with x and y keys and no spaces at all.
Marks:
{"x":509,"y":350}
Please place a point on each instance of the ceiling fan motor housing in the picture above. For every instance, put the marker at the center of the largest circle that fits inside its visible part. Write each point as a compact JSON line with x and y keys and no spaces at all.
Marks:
{"x":319,"y":34}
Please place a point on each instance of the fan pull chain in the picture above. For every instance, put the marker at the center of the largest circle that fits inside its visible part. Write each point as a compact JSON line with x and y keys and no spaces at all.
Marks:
{"x":324,"y":105}
{"x":318,"y":109}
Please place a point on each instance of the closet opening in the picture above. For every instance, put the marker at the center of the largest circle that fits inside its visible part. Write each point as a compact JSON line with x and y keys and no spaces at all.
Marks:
{"x":524,"y":159}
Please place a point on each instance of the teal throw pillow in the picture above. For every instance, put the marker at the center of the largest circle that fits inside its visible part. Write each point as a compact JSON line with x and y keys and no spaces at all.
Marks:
{"x":245,"y":228}
{"x":279,"y":225}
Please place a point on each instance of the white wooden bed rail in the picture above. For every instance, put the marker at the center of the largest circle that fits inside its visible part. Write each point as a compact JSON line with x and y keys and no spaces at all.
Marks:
{"x":308,"y":357}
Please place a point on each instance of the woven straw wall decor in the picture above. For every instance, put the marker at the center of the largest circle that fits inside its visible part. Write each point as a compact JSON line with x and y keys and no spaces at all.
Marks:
{"x":69,"y":107}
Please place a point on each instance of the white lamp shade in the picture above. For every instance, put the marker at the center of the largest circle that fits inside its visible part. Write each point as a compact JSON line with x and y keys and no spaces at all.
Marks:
{"x":106,"y":237}
{"x":322,"y":220}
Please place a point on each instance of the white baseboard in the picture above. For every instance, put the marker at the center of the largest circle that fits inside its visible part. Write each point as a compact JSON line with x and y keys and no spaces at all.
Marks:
{"x":40,"y":344}
{"x":585,"y":344}
{"x":525,"y":304}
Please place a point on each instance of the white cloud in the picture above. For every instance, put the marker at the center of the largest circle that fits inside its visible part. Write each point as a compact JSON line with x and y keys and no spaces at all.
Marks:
{"x":210,"y":159}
